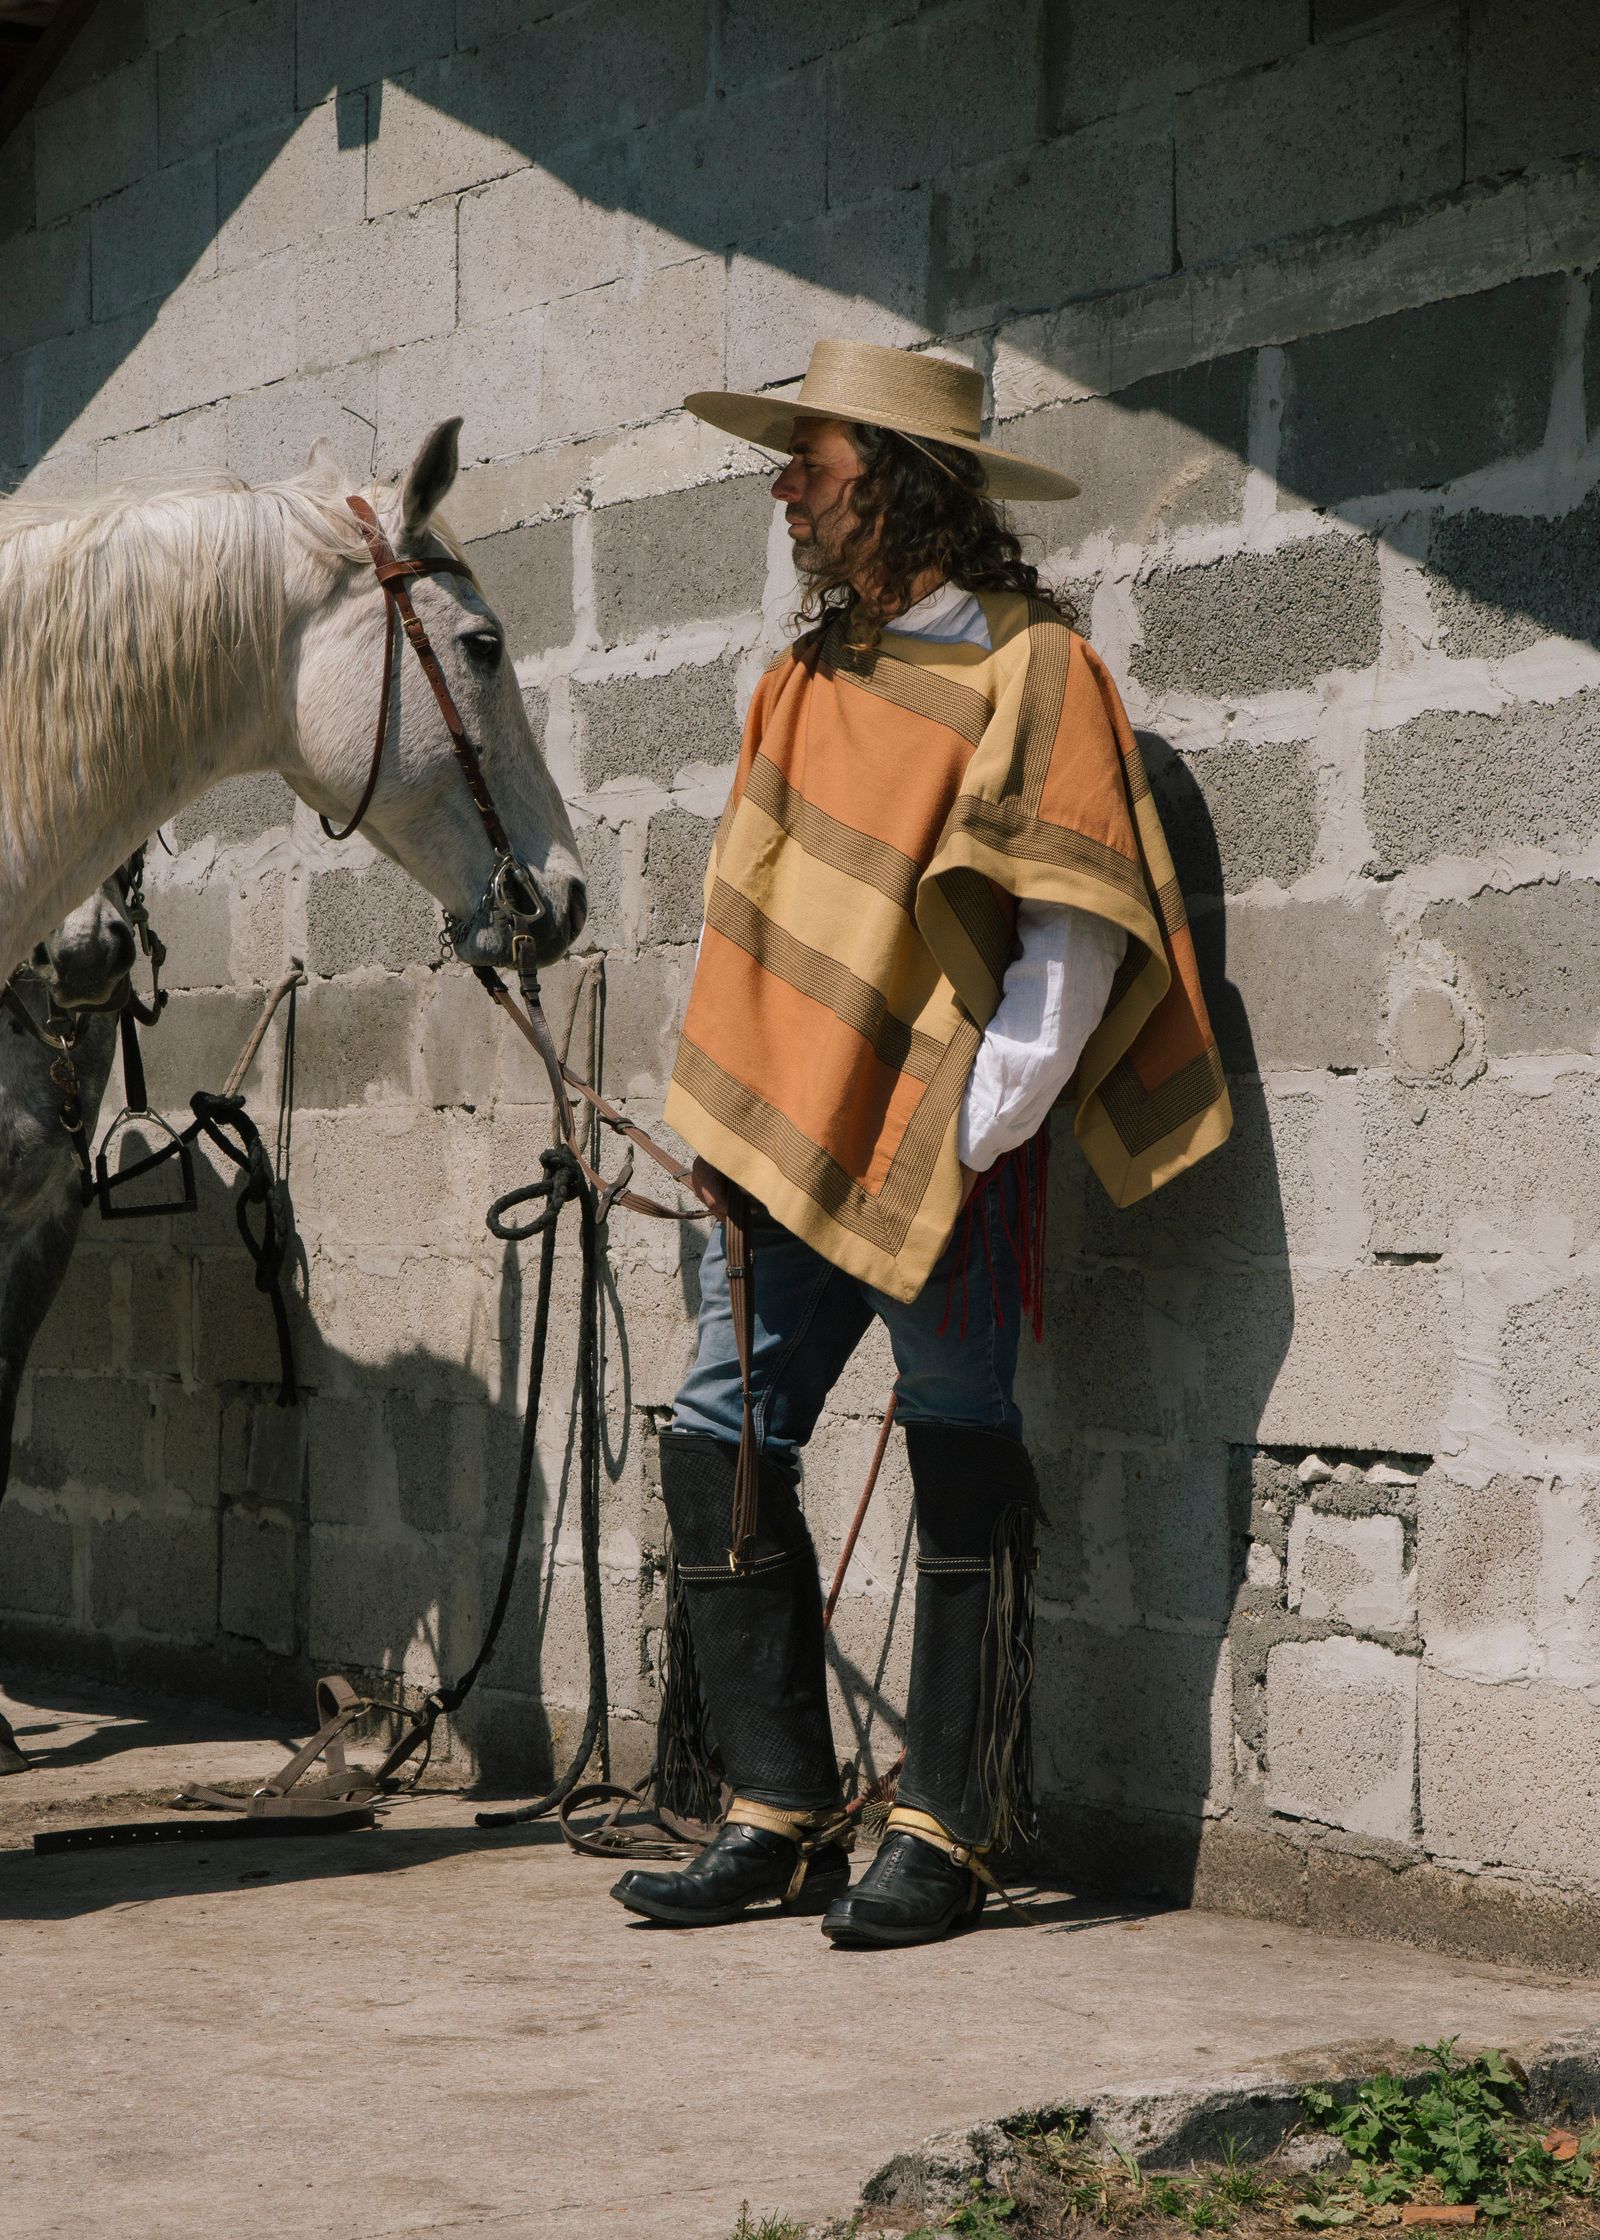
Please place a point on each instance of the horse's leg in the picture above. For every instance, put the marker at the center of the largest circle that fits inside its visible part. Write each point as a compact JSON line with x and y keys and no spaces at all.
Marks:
{"x":32,"y":1263}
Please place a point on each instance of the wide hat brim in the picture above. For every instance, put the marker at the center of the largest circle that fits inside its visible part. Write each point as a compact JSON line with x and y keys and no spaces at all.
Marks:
{"x":769,"y":422}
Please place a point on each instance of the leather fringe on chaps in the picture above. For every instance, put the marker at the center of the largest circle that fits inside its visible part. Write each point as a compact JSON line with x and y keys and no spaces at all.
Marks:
{"x":969,"y":1759}
{"x":688,"y":1767}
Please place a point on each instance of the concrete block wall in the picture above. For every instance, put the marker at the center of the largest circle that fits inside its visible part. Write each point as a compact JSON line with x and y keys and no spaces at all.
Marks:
{"x":1319,"y":1627}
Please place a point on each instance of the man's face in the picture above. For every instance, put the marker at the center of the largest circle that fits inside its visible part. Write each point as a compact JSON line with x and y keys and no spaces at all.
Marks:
{"x":814,"y":491}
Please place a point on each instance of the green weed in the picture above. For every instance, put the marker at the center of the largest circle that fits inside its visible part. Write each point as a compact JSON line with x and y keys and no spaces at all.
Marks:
{"x":1461,"y":2133}
{"x":765,"y":2228}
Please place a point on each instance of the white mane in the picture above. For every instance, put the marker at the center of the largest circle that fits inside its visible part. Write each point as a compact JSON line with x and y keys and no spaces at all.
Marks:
{"x":134,"y":623}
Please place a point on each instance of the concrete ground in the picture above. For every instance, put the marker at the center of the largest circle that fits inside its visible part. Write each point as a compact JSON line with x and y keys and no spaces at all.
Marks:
{"x":430,"y":2028}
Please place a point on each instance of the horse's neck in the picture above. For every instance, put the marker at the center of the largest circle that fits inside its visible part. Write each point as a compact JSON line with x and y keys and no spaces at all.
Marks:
{"x":42,"y":878}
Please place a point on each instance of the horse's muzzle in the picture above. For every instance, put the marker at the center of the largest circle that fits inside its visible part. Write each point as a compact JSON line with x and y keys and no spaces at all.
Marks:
{"x":551,"y":911}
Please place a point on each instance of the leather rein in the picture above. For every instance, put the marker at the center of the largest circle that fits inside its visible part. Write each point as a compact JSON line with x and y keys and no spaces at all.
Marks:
{"x":511,"y":893}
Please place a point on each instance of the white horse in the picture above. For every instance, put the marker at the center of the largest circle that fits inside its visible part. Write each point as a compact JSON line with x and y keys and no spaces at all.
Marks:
{"x":151,"y":645}
{"x":82,"y":969}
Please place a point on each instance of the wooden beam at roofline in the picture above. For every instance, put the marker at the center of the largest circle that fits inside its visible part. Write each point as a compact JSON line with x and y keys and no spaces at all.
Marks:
{"x":26,"y":80}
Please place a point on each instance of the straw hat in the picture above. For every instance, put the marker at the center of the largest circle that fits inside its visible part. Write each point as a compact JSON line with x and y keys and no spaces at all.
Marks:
{"x":900,"y":389}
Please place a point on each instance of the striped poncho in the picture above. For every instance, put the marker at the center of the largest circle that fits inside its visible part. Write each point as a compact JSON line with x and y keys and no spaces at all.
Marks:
{"x":890,"y":809}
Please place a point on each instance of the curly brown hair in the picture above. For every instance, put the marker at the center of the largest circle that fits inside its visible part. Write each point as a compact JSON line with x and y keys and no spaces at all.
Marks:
{"x":916,"y":506}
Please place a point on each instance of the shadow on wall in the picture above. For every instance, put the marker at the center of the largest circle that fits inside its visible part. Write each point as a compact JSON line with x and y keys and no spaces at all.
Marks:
{"x":1166,"y":1326}
{"x":902,"y":217}
{"x":212,"y":1542}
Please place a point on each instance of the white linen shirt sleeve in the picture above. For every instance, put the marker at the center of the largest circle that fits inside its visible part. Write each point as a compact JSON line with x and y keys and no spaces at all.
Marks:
{"x":1051,"y":1000}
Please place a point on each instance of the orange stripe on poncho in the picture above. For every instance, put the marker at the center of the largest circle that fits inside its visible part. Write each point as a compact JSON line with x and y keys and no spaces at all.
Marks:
{"x":891,"y":808}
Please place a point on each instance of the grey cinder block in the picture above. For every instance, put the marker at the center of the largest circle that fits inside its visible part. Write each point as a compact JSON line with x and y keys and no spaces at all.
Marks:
{"x":1012,"y":233}
{"x":1479,"y":1554}
{"x":1485,"y":1167}
{"x":1349,"y":1570}
{"x":1335,"y":133}
{"x":89,"y":1431}
{"x":679,"y":557}
{"x":654,"y":726}
{"x":1533,"y":84}
{"x":1499,"y":582}
{"x":1421,"y":397}
{"x":676,"y":853}
{"x":1342,"y":1735}
{"x":1549,"y":1353}
{"x":1507,"y":1774}
{"x":1160,"y":455}
{"x":1248,"y":811}
{"x":1446,"y":784}
{"x":1533,"y":957}
{"x":35,"y":1561}
{"x":1310,"y":977}
{"x":155,"y":1572}
{"x":358,"y":1041}
{"x":97,"y":140}
{"x":236,"y":812}
{"x":630,"y":351}
{"x":153,"y":235}
{"x":1257,"y":621}
{"x":256,"y":1593}
{"x":1100,"y":59}
{"x":527,"y":578}
{"x":226,"y":75}
{"x":337,"y":46}
{"x":372,"y":915}
{"x":44,"y":278}
{"x":758,"y":41}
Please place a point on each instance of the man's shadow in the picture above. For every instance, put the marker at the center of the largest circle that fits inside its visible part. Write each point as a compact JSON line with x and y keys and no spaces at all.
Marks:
{"x":1165,"y":1326}
{"x":1168,"y":1324}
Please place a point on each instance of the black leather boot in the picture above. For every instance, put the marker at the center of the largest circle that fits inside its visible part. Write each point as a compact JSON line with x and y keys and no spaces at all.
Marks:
{"x":757,"y":1638}
{"x":912,"y":1893}
{"x":965,"y":1786}
{"x":744,"y":1865}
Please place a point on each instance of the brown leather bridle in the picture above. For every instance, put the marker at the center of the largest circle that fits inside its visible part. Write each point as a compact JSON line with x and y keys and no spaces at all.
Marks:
{"x":511,"y":893}
{"x":525,"y":906}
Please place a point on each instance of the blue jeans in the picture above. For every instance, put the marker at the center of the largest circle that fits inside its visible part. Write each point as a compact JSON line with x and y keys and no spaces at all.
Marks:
{"x":955,"y":1344}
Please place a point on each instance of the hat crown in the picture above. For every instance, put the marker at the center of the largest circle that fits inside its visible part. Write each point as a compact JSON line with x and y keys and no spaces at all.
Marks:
{"x":869,"y":381}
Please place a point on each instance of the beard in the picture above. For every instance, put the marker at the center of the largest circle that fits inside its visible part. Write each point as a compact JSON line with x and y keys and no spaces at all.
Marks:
{"x":818,"y":556}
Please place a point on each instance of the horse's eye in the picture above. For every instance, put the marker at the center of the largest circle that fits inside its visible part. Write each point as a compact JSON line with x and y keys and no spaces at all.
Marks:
{"x":484,"y":647}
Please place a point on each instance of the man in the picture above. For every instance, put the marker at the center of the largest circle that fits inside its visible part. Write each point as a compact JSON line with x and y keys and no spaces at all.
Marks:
{"x":938,"y":898}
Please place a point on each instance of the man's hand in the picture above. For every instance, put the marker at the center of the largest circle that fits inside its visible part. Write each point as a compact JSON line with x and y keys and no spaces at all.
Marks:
{"x":710,"y":1185}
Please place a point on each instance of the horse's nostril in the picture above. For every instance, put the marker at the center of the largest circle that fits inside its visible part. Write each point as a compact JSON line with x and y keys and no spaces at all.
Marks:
{"x":577,"y":907}
{"x":124,"y":948}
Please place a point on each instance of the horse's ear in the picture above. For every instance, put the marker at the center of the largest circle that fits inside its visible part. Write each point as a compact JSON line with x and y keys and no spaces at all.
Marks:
{"x":322,"y":469}
{"x":428,"y":478}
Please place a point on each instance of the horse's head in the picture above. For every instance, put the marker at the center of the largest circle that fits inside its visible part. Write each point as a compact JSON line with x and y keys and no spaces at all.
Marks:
{"x":86,"y":961}
{"x":421,"y":812}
